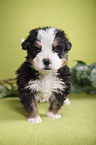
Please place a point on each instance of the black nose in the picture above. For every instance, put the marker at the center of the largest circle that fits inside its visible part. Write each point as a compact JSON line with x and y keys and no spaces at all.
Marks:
{"x":46,"y":61}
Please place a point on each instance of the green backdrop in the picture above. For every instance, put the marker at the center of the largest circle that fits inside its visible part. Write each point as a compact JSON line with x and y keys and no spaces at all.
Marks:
{"x":17,"y":17}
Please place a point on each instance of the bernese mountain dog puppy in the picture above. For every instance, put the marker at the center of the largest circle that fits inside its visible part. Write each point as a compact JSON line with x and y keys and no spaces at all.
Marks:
{"x":44,"y":74}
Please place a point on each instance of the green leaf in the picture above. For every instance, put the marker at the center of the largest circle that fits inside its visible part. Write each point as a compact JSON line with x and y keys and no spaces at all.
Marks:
{"x":80,"y":62}
{"x":3,"y":91}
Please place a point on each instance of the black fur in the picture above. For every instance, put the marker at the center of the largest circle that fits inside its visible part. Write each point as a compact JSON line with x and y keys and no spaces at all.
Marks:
{"x":26,"y":72}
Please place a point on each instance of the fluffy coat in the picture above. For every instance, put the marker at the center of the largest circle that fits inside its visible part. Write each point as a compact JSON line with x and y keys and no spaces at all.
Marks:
{"x":45,"y":73}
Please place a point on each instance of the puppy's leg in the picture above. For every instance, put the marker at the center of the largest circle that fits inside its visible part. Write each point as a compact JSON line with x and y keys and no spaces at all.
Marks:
{"x":30,"y":106}
{"x":55,"y":106}
{"x":66,"y":102}
{"x":33,"y":116}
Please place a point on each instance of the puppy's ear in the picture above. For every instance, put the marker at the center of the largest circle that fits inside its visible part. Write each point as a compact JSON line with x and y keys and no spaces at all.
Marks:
{"x":25,"y":44}
{"x":68,"y":45}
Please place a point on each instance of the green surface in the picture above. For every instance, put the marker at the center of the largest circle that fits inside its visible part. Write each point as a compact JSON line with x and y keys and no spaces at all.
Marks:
{"x":78,"y":18}
{"x":17,"y":17}
{"x":76,"y":127}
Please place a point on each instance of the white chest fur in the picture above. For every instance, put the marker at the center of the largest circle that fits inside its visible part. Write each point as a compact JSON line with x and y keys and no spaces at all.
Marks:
{"x":45,"y":85}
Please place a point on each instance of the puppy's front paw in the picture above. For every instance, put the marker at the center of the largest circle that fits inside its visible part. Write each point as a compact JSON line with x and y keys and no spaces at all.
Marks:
{"x":66,"y":102}
{"x":53,"y":116}
{"x":37,"y":119}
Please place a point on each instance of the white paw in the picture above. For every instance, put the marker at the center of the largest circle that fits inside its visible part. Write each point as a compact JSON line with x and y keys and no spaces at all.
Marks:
{"x":66,"y":102}
{"x":37,"y":119}
{"x":53,"y":116}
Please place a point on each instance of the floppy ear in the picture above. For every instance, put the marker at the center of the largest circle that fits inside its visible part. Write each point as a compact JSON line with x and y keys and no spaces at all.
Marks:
{"x":69,"y":45}
{"x":30,"y":39}
{"x":25,"y":45}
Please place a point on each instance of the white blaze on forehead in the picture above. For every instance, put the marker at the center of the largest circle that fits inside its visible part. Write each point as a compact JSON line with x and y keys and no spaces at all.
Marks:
{"x":46,"y":37}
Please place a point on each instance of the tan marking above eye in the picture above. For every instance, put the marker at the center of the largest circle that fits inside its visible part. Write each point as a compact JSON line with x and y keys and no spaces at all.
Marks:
{"x":55,"y":44}
{"x":37,"y":45}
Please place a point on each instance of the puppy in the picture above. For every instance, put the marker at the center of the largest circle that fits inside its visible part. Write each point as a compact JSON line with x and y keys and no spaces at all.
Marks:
{"x":44,"y":74}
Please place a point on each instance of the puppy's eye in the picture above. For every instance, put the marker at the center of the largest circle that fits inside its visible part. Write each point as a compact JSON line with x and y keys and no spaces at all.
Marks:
{"x":38,"y":49}
{"x":56,"y":49}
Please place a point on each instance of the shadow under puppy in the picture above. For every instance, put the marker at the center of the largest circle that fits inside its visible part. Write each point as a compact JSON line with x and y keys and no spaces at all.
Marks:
{"x":44,"y":74}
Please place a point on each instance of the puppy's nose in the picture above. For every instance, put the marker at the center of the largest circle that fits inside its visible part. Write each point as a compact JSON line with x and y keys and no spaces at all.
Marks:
{"x":46,"y":61}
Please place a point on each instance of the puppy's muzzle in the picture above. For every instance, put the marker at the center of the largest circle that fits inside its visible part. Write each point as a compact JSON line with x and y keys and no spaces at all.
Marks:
{"x":46,"y":62}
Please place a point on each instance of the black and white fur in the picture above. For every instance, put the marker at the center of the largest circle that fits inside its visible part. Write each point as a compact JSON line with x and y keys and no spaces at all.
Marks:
{"x":44,"y":74}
